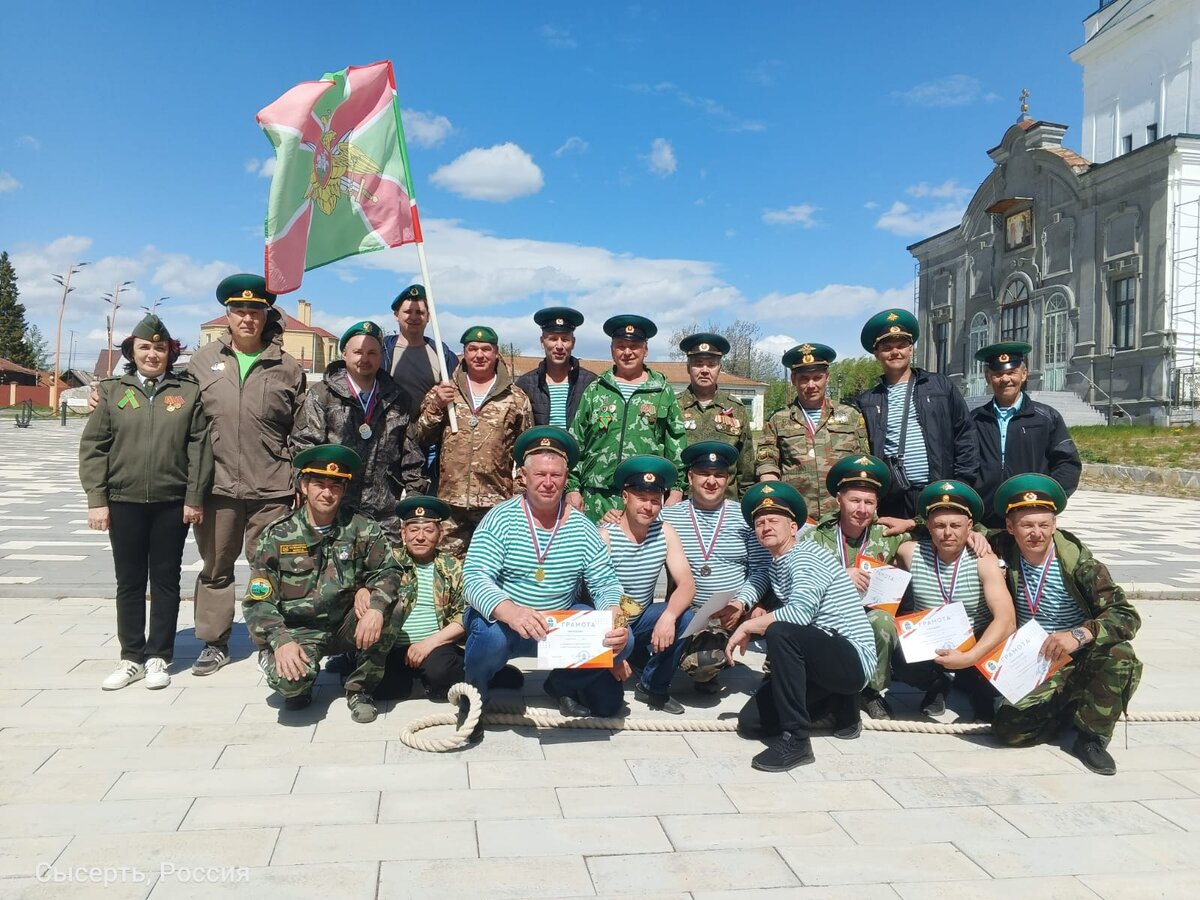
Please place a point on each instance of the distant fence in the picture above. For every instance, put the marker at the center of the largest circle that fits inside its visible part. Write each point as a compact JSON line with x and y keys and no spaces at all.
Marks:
{"x":16,"y":394}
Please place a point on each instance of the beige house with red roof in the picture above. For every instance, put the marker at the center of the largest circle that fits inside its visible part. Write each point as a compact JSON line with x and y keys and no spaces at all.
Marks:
{"x":311,"y":344}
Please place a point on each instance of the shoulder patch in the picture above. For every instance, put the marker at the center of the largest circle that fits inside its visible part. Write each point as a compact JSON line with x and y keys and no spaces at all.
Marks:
{"x":292,"y":549}
{"x":258,"y":589}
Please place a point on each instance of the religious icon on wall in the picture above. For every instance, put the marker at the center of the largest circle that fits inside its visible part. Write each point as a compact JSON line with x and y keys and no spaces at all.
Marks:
{"x":1018,"y":230}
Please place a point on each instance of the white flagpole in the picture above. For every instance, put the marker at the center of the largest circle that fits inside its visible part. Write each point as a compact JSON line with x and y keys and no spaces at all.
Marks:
{"x":437,"y":331}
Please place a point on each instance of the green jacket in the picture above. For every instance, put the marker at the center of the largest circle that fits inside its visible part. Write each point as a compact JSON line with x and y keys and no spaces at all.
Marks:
{"x":874,"y":544}
{"x":448,"y":598}
{"x":303,"y":579}
{"x":609,"y":430}
{"x":1111,"y":617}
{"x":141,"y":449}
{"x":726,"y":420}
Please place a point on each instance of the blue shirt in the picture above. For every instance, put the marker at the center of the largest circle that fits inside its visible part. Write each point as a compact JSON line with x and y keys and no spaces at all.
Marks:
{"x":1003,"y":417}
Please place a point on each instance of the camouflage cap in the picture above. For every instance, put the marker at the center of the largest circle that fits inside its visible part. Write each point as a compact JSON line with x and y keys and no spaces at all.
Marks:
{"x":245,"y":290}
{"x":950,"y":495}
{"x":644,"y":472}
{"x":774,"y":497}
{"x":1029,"y":491}
{"x":887,"y":324}
{"x":370,"y":329}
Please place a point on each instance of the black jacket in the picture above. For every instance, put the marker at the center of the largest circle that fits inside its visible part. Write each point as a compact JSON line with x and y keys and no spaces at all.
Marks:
{"x":533,"y":383}
{"x":1037,"y":441}
{"x":950,"y":440}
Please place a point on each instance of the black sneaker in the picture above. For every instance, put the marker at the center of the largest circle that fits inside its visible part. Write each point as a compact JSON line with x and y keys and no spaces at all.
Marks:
{"x":875,"y":706}
{"x":849,"y":731}
{"x":664,"y":702}
{"x":567,"y":706}
{"x":1090,"y":751}
{"x":934,"y":701}
{"x":300,"y":701}
{"x":510,"y":678}
{"x":476,"y":735}
{"x":362,"y":707}
{"x":712,"y":686}
{"x":786,"y":752}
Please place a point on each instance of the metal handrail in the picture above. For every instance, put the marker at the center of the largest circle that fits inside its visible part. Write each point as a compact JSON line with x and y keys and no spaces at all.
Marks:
{"x":1097,"y":387}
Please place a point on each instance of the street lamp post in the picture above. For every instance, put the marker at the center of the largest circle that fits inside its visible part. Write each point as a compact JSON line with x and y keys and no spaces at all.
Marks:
{"x":115,"y":300}
{"x":1112,"y":355}
{"x":65,"y":281}
{"x":153,"y":307}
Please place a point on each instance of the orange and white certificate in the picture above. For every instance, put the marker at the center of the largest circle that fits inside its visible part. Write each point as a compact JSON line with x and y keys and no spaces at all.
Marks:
{"x":886,"y":588}
{"x":1017,"y":666}
{"x":575,"y":639}
{"x":924,"y":633}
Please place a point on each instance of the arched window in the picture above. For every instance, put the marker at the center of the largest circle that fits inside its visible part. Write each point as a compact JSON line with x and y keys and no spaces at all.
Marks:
{"x":1014,"y":311}
{"x":1056,"y":343}
{"x":978,"y":339}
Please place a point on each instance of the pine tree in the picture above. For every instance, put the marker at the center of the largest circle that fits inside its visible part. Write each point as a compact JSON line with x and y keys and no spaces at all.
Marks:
{"x":14,"y":345}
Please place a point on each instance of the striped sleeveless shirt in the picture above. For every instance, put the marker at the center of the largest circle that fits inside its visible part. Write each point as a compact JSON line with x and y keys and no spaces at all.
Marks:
{"x":1056,"y":609}
{"x":637,"y":565}
{"x":967,"y":590}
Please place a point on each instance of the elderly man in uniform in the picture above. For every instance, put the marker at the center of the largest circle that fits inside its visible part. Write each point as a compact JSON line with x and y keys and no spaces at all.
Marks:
{"x":1055,"y":579}
{"x":804,"y":439}
{"x":917,"y":421}
{"x":556,"y":386}
{"x":710,"y":414}
{"x":324,"y":580}
{"x":534,"y":553}
{"x":475,"y":470}
{"x":1016,"y":433}
{"x":819,"y":643}
{"x":627,"y":411}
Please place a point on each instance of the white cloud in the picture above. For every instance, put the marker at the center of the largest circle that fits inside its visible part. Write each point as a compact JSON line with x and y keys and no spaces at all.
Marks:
{"x":953,"y":90}
{"x":856,"y":301}
{"x":661,"y":161}
{"x":776,"y":345}
{"x":496,"y":174}
{"x":573,"y":144}
{"x":901,"y":220}
{"x":264,"y":168}
{"x":8,"y":183}
{"x":425,"y":129}
{"x":558,"y":38}
{"x":726,"y":120}
{"x":870,"y":204}
{"x":801,"y":214}
{"x":28,"y":142}
{"x":766,"y":73}
{"x":950,"y":189}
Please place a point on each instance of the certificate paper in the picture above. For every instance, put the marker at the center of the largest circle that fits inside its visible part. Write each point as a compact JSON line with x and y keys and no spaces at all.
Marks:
{"x":575,"y":639}
{"x":711,"y":607}
{"x":1016,"y":667}
{"x":923,"y":633}
{"x":886,"y":588}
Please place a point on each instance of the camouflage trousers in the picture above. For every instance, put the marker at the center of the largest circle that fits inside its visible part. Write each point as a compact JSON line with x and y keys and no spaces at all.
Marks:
{"x":887,"y":641}
{"x":1093,"y":691}
{"x":318,"y":643}
{"x":458,"y":529}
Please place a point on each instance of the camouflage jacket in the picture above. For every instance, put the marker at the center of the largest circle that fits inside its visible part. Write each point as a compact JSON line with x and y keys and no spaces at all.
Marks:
{"x":1111,"y":617}
{"x":448,"y":597}
{"x":475,"y":466}
{"x":301,"y":578}
{"x":726,"y":420}
{"x":874,"y":544}
{"x":786,"y":450}
{"x":609,"y":430}
{"x":391,"y":459}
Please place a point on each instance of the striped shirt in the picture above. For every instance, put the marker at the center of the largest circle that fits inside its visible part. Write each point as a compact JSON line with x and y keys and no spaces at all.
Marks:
{"x":815,"y":590}
{"x":737,"y":563}
{"x":626,"y":388}
{"x":637,"y":565}
{"x":963,"y":585}
{"x":422,"y":620}
{"x":1004,"y":415}
{"x":916,"y":460}
{"x":558,"y":403}
{"x":1057,"y":609}
{"x":502,"y":564}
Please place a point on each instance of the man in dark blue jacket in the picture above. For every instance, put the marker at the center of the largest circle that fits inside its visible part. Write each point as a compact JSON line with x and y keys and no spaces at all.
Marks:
{"x":555,"y":386}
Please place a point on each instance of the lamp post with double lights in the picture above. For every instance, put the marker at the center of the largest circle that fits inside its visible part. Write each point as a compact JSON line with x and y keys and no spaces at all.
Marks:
{"x":114,"y":299}
{"x":65,"y":282}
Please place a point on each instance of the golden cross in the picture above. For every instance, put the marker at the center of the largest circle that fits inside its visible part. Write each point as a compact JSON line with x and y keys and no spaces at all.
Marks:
{"x":1024,"y":101}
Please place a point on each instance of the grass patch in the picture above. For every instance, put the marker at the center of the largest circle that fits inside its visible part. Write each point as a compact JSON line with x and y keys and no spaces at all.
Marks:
{"x":1139,"y":445}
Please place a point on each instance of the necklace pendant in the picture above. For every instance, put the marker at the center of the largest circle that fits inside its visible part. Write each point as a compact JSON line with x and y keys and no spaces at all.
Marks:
{"x":540,"y":574}
{"x":364,"y":431}
{"x":705,"y":570}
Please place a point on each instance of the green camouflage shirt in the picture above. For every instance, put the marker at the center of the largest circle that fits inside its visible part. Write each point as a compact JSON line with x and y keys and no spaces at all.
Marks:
{"x":787,"y":451}
{"x":874,"y":544}
{"x":725,"y":419}
{"x":301,"y":578}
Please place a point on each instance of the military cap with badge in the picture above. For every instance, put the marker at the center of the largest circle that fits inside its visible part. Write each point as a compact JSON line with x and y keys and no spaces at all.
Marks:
{"x":1030,"y":491}
{"x":370,"y":329}
{"x":412,"y":292}
{"x":952,"y":495}
{"x":327,"y":461}
{"x":558,"y":319}
{"x":245,"y":291}
{"x":1004,"y":356}
{"x":704,"y":344}
{"x":709,"y":455}
{"x":774,"y":497}
{"x":630,"y":328}
{"x":809,"y":356}
{"x":481,"y":334}
{"x":420,"y":508}
{"x":891,"y":323}
{"x":546,"y":439}
{"x":866,"y":472}
{"x":151,"y":328}
{"x":645,"y":472}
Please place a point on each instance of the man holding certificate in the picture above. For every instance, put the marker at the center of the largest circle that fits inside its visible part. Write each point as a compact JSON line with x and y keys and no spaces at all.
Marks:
{"x":819,"y":644}
{"x":531,"y":555}
{"x":1055,"y":581}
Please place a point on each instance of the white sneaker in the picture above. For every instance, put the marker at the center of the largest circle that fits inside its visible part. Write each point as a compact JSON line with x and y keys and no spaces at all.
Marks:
{"x":156,"y":673}
{"x":127,"y":672}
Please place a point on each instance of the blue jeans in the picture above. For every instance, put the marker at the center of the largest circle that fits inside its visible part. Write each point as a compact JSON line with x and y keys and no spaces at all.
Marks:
{"x":490,"y":645}
{"x":656,"y":676}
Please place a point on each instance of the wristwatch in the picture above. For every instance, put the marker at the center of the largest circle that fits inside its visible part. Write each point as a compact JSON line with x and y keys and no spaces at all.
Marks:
{"x":1080,"y":635}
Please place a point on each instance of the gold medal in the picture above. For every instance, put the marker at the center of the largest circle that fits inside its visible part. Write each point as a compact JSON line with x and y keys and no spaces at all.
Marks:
{"x":540,"y":574}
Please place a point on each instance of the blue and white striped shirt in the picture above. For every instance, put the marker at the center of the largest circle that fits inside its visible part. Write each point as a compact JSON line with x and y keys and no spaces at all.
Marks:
{"x":1057,"y":609}
{"x":738,"y":562}
{"x":916,"y":458}
{"x":967,"y":588}
{"x":501,"y":563}
{"x":558,"y":403}
{"x":637,"y":565}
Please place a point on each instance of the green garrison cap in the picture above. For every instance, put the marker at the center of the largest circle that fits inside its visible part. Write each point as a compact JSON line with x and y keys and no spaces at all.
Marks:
{"x":1004,"y":356}
{"x":644,"y":473}
{"x":546,"y":439}
{"x":370,"y":329}
{"x":705,"y":343}
{"x":418,"y":506}
{"x":412,"y":292}
{"x":866,"y":472}
{"x":950,"y":495}
{"x":330,"y":460}
{"x":809,"y":356}
{"x":481,"y":333}
{"x":245,"y":290}
{"x":1030,"y":491}
{"x":151,"y":328}
{"x":709,"y":455}
{"x":561,"y":319}
{"x":774,"y":497}
{"x":630,"y":328}
{"x":889,"y":323}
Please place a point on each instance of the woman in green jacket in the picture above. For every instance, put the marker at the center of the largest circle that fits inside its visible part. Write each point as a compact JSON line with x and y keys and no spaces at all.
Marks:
{"x":145,"y":463}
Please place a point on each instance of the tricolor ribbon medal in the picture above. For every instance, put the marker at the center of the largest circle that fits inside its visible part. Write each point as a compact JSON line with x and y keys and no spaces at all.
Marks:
{"x":706,"y":552}
{"x":947,"y":596}
{"x":540,"y":554}
{"x":1035,"y":600}
{"x":130,"y":399}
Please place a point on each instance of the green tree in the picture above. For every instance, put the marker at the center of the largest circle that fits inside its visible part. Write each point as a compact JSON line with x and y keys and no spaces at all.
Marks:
{"x":744,"y":358}
{"x":779,"y":393}
{"x":39,"y":350}
{"x":14,"y":342}
{"x":853,"y":375}
{"x":508,"y":352}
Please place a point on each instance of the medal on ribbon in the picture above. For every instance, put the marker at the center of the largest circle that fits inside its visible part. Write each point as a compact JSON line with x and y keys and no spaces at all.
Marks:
{"x":706,"y":552}
{"x":368,"y":407}
{"x":539,"y":554}
{"x":1027,"y":573}
{"x":947,"y":596}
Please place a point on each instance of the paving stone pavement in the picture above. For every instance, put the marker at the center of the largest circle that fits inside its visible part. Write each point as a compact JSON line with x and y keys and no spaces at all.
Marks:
{"x":208,"y":788}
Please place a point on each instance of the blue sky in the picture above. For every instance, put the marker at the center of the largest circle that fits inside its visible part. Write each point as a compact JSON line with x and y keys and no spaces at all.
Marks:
{"x":685,"y":162}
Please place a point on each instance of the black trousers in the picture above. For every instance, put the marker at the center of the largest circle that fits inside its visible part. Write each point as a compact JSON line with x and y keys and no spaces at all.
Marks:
{"x":440,"y":670}
{"x":809,"y":667}
{"x":147,"y":542}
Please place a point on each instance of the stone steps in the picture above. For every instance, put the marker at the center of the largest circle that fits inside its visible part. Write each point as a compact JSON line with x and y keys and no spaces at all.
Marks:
{"x":1074,"y":410}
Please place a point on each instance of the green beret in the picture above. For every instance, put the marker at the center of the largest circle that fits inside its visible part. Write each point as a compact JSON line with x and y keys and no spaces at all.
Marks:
{"x":151,"y":328}
{"x":480,"y":333}
{"x":558,"y":319}
{"x":809,"y":356}
{"x":370,"y":329}
{"x":709,"y":455}
{"x":418,"y":506}
{"x":412,"y":292}
{"x":866,"y":472}
{"x":546,"y":438}
{"x":645,"y":473}
{"x":630,"y":328}
{"x":1029,"y":491}
{"x":950,"y":495}
{"x":330,"y":460}
{"x":774,"y":497}
{"x":889,"y":323}
{"x":704,"y":344}
{"x":245,"y":290}
{"x":1004,"y":356}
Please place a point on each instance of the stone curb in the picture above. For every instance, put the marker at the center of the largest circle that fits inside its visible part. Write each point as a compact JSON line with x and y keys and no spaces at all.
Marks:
{"x":1179,"y":479}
